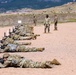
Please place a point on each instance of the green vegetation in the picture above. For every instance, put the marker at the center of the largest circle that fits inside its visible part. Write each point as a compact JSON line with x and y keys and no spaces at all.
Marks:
{"x":72,"y":20}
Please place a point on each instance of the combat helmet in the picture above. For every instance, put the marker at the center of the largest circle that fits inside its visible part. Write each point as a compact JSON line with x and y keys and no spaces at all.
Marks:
{"x":6,"y":55}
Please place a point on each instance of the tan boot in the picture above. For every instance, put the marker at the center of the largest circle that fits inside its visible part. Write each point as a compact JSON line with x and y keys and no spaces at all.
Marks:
{"x":37,"y":34}
{"x":28,"y":43}
{"x":40,"y":49}
{"x":55,"y":62}
{"x":48,"y":65}
{"x":34,"y":37}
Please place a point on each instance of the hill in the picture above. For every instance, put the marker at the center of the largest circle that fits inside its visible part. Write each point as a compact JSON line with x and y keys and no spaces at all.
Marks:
{"x":14,"y":5}
{"x":66,"y":13}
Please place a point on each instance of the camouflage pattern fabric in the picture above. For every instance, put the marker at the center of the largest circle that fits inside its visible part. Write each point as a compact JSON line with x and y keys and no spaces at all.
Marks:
{"x":15,"y":36}
{"x":55,"y":22}
{"x":23,"y":48}
{"x":47,"y":25}
{"x":18,"y":61}
{"x":7,"y":41}
{"x":23,"y":30}
{"x":25,"y":63}
{"x":47,"y":21}
{"x":34,"y":20}
{"x":20,"y":48}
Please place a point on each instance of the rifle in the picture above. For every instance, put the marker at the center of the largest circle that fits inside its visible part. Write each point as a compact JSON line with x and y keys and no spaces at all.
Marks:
{"x":1,"y":60}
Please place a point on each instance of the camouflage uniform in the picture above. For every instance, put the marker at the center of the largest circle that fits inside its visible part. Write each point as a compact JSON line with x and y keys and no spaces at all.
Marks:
{"x":55,"y":22}
{"x":34,"y":20}
{"x":20,"y":48}
{"x":18,"y":61}
{"x":7,"y":40}
{"x":27,"y":37}
{"x":25,"y":31}
{"x":14,"y":36}
{"x":20,"y":30}
{"x":47,"y":24}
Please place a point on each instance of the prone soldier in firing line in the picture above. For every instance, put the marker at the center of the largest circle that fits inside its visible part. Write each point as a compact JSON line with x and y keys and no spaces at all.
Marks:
{"x":20,"y":48}
{"x":9,"y":46}
{"x":18,"y":61}
{"x":8,"y":39}
{"x":25,"y":31}
{"x":23,"y":35}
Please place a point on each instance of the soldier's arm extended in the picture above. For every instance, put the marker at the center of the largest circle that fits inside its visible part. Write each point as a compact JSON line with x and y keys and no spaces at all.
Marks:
{"x":7,"y":63}
{"x":1,"y":65}
{"x":2,"y":50}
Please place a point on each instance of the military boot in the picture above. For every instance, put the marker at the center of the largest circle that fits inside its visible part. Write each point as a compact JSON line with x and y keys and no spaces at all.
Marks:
{"x":55,"y":62}
{"x":55,"y":28}
{"x":34,"y":37}
{"x":37,"y":34}
{"x":27,"y":43}
{"x":40,"y":49}
{"x":48,"y":65}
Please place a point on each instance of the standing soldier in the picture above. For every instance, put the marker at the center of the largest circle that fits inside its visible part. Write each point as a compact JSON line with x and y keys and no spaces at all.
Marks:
{"x":55,"y":22}
{"x":18,"y":61}
{"x":34,"y":20}
{"x":47,"y":23}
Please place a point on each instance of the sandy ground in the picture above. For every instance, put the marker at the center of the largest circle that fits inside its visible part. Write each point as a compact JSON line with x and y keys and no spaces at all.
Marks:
{"x":59,"y":44}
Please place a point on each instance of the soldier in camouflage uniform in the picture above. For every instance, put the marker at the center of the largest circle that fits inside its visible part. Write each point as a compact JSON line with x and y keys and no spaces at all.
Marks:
{"x":47,"y":24}
{"x":25,"y":31}
{"x":8,"y":45}
{"x":55,"y":22}
{"x":18,"y":37}
{"x":22,"y":30}
{"x":34,"y":20}
{"x":19,"y":48}
{"x":9,"y":39}
{"x":18,"y":61}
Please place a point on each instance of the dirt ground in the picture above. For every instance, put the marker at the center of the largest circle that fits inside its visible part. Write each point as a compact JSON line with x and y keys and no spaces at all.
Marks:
{"x":59,"y":44}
